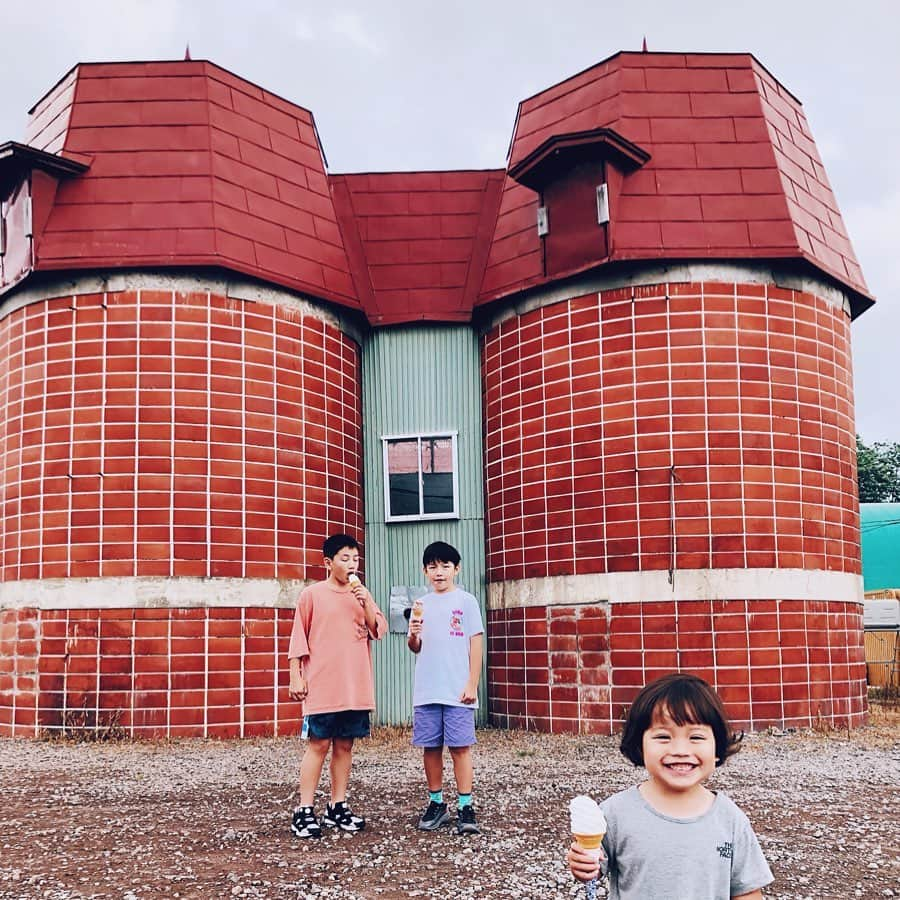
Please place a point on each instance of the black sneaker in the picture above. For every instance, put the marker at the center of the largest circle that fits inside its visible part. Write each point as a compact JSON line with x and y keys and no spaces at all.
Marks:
{"x":465,"y":821}
{"x":305,"y":824}
{"x":339,"y":816}
{"x":434,"y":816}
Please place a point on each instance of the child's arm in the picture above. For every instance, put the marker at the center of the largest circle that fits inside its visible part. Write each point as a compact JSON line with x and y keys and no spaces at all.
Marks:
{"x":375,"y":620}
{"x":414,"y":637}
{"x":298,"y":688}
{"x":476,"y":646}
{"x":298,"y":650}
{"x":753,"y":895}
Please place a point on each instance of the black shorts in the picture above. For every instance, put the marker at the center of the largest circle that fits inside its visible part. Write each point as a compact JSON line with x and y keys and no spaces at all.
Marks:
{"x":348,"y":723}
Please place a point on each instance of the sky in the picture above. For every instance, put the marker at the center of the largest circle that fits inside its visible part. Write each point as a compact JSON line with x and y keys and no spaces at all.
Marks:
{"x":413,"y":84}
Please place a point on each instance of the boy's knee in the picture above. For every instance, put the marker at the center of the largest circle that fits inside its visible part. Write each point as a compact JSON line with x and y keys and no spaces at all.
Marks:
{"x":318,"y":746}
{"x":460,"y":751}
{"x":343,"y":745}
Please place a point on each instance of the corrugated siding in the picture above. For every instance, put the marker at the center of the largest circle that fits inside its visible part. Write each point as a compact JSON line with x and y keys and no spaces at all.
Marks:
{"x":880,"y":539}
{"x":419,"y":379}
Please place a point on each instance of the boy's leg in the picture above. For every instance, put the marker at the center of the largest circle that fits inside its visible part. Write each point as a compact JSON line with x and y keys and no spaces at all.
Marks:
{"x":460,"y":735}
{"x":433,"y":760}
{"x":348,"y":725}
{"x":428,"y":733}
{"x":341,"y":763}
{"x":311,"y":768}
{"x":462,"y":768}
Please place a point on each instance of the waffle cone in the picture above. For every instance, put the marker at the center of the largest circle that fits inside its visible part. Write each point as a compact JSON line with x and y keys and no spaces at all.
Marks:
{"x":589,"y":841}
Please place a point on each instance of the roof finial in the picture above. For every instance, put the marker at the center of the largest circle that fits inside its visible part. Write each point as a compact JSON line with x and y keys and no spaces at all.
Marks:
{"x":187,"y":52}
{"x":644,"y":45}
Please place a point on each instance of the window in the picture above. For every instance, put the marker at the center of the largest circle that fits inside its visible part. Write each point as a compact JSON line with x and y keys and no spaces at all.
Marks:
{"x":420,"y":477}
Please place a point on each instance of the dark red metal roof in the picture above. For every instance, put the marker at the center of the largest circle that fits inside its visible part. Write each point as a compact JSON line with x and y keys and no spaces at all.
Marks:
{"x":733,"y":171}
{"x":189,"y":165}
{"x":419,"y":240}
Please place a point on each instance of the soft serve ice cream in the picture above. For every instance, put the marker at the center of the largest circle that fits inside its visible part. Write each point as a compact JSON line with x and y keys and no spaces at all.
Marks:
{"x":588,"y":823}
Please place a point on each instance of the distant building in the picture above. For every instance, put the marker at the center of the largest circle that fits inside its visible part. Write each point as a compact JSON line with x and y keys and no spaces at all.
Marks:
{"x":880,"y":532}
{"x":615,"y":373}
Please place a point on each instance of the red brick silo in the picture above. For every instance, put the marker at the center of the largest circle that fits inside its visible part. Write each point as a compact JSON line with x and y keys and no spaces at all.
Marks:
{"x":181,"y":423}
{"x":669,"y":432}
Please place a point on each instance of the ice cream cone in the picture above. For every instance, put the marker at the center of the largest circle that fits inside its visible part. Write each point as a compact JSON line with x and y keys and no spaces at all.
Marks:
{"x":589,"y":841}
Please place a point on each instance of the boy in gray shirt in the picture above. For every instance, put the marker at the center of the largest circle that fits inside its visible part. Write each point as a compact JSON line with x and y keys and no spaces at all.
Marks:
{"x":671,"y":837}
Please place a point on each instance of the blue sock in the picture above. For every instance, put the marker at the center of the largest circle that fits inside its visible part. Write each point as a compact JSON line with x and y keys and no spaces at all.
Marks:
{"x":464,"y":800}
{"x":436,"y":796}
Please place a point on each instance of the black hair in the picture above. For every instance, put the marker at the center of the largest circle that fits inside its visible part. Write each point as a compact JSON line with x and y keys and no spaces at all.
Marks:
{"x":336,"y":543}
{"x":440,"y":552}
{"x":687,"y":699}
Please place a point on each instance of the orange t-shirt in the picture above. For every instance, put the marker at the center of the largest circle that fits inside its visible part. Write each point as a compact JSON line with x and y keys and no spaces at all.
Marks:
{"x":330,"y":631}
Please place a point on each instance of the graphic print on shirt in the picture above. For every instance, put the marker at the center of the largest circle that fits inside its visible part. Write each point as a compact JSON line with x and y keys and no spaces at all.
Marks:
{"x":456,"y":623}
{"x":726,"y":850}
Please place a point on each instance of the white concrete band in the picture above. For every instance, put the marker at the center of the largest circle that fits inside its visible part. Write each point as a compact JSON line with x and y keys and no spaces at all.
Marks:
{"x":689,"y":584}
{"x":784,"y":274}
{"x":36,"y":289}
{"x":150,"y":593}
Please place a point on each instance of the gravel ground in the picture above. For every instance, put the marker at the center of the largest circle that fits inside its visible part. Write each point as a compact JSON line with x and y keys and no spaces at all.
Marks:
{"x":210,"y":819}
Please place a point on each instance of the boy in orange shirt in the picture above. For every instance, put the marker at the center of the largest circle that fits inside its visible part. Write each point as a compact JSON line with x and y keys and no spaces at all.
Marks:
{"x":331,"y":672}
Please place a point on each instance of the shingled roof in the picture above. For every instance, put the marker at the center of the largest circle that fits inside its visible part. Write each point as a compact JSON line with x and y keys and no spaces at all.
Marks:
{"x":733,"y":171}
{"x":189,"y":166}
{"x":707,"y":156}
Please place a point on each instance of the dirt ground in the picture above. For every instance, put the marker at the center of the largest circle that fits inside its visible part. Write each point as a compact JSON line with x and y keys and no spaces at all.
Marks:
{"x":203,"y":819}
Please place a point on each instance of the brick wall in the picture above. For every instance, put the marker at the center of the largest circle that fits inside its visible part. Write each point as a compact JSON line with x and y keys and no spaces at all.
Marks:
{"x":578,"y":668}
{"x":684,"y":454}
{"x":157,"y":438}
{"x":744,"y":392}
{"x":148,"y":673}
{"x":174,"y":434}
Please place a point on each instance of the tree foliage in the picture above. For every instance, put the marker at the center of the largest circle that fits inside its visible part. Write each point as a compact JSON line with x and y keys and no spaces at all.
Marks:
{"x":878,"y":472}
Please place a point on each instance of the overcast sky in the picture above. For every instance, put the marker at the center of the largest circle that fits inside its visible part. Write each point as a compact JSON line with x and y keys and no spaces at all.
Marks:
{"x":399,"y":84}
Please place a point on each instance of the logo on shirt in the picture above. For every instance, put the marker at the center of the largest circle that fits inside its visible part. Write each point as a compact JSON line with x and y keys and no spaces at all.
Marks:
{"x":456,"y":623}
{"x":726,"y":850}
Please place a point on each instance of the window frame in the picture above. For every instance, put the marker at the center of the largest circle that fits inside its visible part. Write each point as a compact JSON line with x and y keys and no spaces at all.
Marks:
{"x":419,"y":437}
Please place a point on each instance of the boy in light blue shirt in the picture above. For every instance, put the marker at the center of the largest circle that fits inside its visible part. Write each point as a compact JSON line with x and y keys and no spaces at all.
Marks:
{"x":448,"y":640}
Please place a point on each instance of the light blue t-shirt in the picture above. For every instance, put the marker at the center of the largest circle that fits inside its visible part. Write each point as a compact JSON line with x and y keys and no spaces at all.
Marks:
{"x":442,"y":665}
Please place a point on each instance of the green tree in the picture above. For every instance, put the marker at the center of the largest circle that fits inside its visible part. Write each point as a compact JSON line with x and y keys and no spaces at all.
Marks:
{"x":878,"y":471}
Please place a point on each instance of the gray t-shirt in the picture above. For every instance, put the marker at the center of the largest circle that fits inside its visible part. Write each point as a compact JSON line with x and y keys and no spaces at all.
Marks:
{"x":715,"y":856}
{"x":442,"y":665}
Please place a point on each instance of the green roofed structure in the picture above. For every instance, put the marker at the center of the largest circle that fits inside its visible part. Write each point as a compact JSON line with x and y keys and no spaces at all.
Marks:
{"x":880,"y":535}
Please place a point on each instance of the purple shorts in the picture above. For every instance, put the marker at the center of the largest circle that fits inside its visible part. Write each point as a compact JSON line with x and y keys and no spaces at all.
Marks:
{"x":437,"y":725}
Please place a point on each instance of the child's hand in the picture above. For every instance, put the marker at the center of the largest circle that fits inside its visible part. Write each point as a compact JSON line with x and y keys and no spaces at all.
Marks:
{"x":358,"y":591}
{"x":298,"y":689}
{"x":470,"y":693}
{"x":415,"y":627}
{"x":584,"y":866}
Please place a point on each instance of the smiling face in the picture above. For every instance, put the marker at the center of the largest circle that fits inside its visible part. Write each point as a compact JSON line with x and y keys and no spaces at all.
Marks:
{"x":339,"y":567}
{"x":441,"y":575}
{"x":678,"y":758}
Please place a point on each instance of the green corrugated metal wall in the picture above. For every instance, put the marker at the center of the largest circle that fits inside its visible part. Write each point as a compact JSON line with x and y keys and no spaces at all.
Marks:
{"x":419,"y":379}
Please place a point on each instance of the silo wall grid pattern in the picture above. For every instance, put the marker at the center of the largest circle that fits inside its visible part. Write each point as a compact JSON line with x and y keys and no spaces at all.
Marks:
{"x":175,"y":449}
{"x":670,"y":484}
{"x":197,"y":654}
